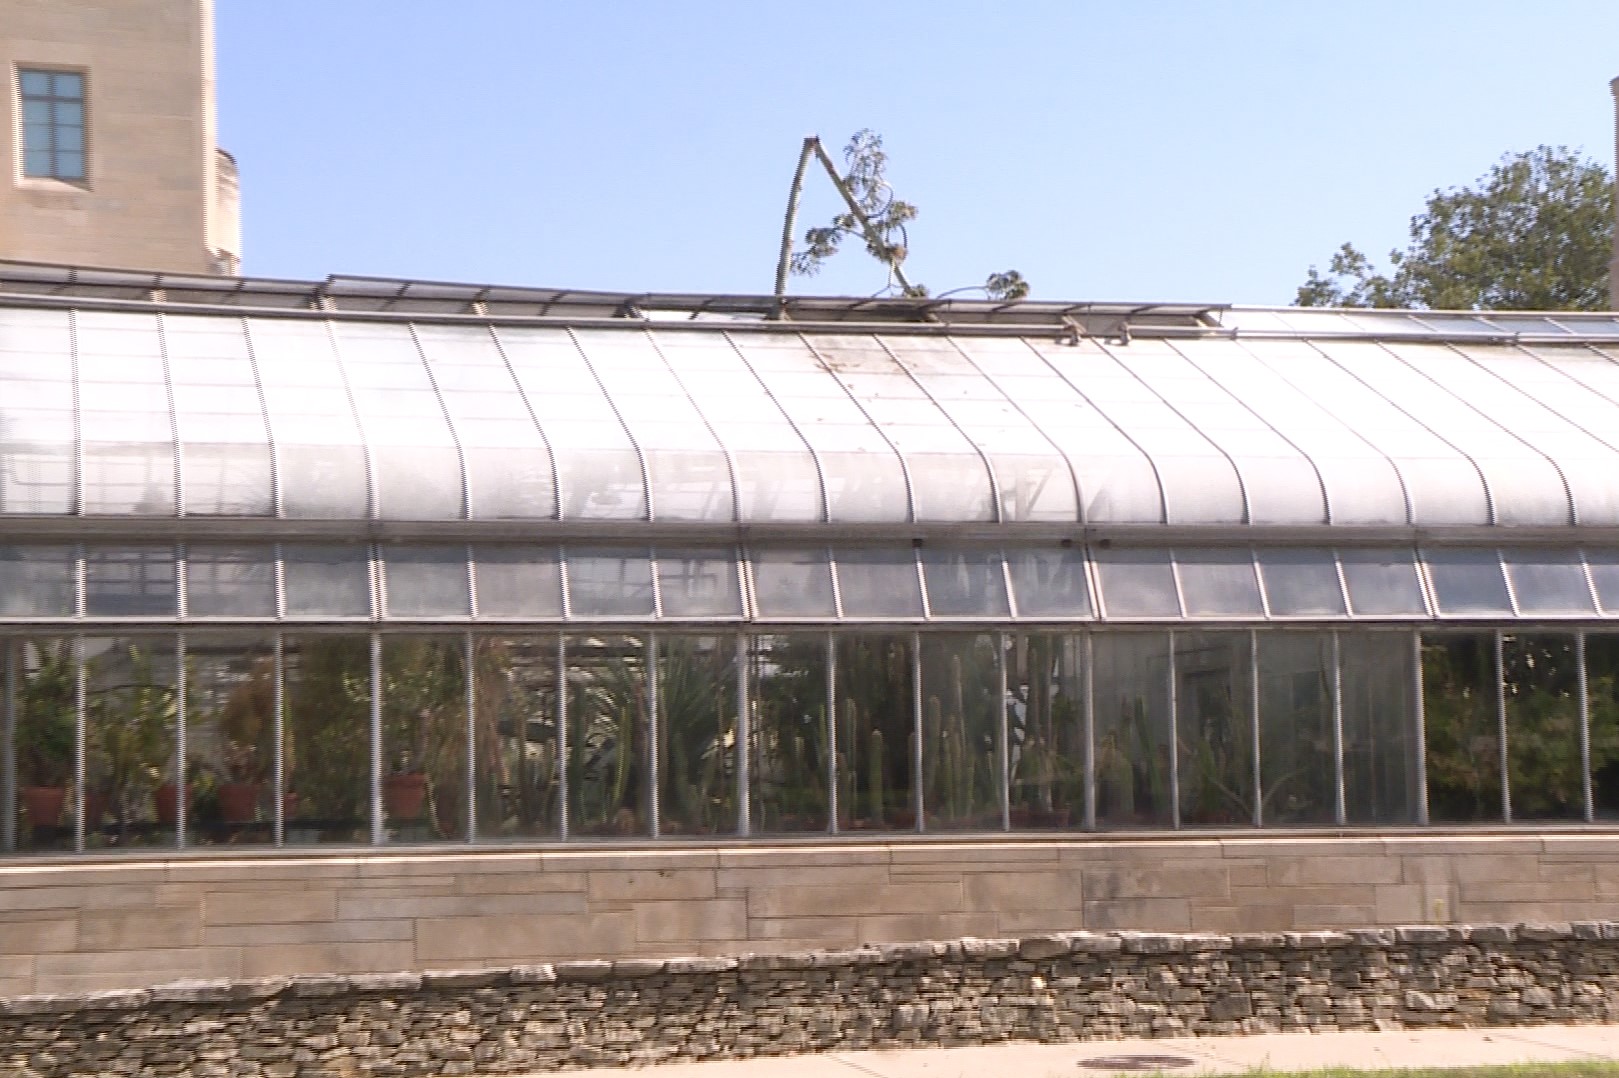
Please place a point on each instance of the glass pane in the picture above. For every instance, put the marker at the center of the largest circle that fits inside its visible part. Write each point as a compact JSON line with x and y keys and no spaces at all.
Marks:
{"x":1382,"y":582}
{"x":70,"y":113}
{"x":879,"y":582}
{"x":1380,"y":745}
{"x":327,"y":746}
{"x":963,"y":583}
{"x":607,"y":730}
{"x":1549,"y":582}
{"x":1131,"y":686}
{"x":792,"y":583}
{"x":1604,"y":566}
{"x":230,"y":581}
{"x":1301,"y":583}
{"x":130,"y":581}
{"x":516,"y":582}
{"x":876,"y":781}
{"x":1546,"y":776}
{"x":330,"y":580}
{"x":1050,"y":582}
{"x":37,"y":163}
{"x":230,"y":736}
{"x":426,"y":581}
{"x":1602,"y":677}
{"x":517,"y":766}
{"x":961,"y":731}
{"x":609,"y":583}
{"x":1046,"y":730}
{"x":36,"y":581}
{"x":37,"y":140}
{"x":1459,"y":682}
{"x":68,"y":84}
{"x":424,"y":738}
{"x":69,"y":165}
{"x":35,"y":113}
{"x":1219,"y":583}
{"x":1297,"y":777}
{"x":131,"y":797}
{"x":697,"y":735}
{"x":44,"y":673}
{"x":1468,"y":581}
{"x":1137,"y":584}
{"x":1214,"y":725}
{"x":698,"y":584}
{"x":788,"y":766}
{"x":35,"y":83}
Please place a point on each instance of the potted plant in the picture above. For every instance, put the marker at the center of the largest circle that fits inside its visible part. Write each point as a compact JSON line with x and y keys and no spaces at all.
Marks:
{"x":423,"y":702}
{"x":132,"y":725}
{"x":46,"y":731}
{"x":246,"y":722}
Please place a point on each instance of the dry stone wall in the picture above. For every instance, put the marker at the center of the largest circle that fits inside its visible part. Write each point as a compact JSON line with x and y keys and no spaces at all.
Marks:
{"x":1051,"y":988}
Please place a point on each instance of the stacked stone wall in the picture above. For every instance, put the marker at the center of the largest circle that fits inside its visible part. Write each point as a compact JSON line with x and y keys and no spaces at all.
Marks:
{"x":1048,"y":988}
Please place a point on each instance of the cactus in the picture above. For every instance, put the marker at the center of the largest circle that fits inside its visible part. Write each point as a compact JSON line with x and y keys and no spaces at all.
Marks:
{"x":874,"y":764}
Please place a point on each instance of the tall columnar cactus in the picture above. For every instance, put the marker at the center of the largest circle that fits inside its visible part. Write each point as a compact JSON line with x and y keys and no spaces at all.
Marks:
{"x":874,"y":764}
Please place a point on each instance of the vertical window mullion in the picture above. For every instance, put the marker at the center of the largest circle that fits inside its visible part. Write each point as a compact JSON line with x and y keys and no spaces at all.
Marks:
{"x":471,"y":653}
{"x":376,"y":739}
{"x":1088,"y":656}
{"x":1340,"y":802}
{"x":1002,"y":746}
{"x":180,"y":798}
{"x":80,"y":707}
{"x":1501,"y":725}
{"x":279,"y":811}
{"x":650,"y":644}
{"x":832,"y":733}
{"x":562,"y":736}
{"x":743,"y":739}
{"x":1174,"y":741}
{"x":1253,"y":724}
{"x":917,"y":802}
{"x":1586,"y":791}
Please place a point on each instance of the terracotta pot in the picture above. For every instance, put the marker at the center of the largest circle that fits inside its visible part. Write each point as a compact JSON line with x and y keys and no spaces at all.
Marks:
{"x":166,"y":802}
{"x":43,"y":804}
{"x":404,"y":795}
{"x":239,"y":801}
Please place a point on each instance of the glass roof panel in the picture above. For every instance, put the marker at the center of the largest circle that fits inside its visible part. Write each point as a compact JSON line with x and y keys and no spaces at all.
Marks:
{"x":1219,"y":583}
{"x":964,"y":582}
{"x":792,"y":582}
{"x":1467,"y":581}
{"x":605,"y":582}
{"x":329,"y":580}
{"x":36,"y":581}
{"x":1548,"y":581}
{"x":426,"y":581}
{"x":1301,"y":582}
{"x":37,"y":452}
{"x":878,"y":582}
{"x":698,"y":583}
{"x":225,"y":461}
{"x":124,"y":413}
{"x":1137,"y":583}
{"x":1049,"y":582}
{"x":1382,"y":583}
{"x":230,"y":580}
{"x":1604,"y":566}
{"x":518,"y":581}
{"x":130,"y":580}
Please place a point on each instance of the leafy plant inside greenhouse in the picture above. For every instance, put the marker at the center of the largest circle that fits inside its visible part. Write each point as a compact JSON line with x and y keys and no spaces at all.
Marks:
{"x":789,"y":755}
{"x":328,"y":740}
{"x":697,"y":734}
{"x":608,"y":717}
{"x":131,"y":716}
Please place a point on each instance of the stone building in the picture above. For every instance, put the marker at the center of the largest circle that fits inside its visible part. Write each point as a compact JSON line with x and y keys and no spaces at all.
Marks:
{"x":109,"y":157}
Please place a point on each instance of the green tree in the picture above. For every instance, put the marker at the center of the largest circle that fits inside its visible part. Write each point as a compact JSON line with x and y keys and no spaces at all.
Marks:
{"x":875,"y":216}
{"x":1534,"y":233}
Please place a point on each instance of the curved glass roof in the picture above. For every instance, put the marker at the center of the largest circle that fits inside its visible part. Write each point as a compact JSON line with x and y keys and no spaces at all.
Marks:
{"x":436,"y":411}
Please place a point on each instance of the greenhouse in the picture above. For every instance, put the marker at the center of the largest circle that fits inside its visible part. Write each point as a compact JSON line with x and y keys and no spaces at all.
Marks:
{"x":366,"y":562}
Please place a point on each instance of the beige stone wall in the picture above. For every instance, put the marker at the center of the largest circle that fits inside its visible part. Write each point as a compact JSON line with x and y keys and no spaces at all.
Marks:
{"x":152,"y":171}
{"x":81,"y":925}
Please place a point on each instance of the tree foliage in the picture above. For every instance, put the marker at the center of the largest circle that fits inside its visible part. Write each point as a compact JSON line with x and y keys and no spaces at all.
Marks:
{"x":1533,"y":233}
{"x":866,"y":179}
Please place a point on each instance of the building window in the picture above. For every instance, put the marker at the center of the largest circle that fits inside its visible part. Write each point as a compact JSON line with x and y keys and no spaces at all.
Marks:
{"x":52,"y":124}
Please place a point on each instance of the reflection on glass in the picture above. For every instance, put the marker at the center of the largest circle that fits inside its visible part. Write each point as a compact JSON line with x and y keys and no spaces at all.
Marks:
{"x":426,"y":581}
{"x":131,"y":798}
{"x":607,"y":728}
{"x":698,"y":584}
{"x":879,"y":582}
{"x":42,"y":673}
{"x":1382,"y":582}
{"x":1604,"y":566}
{"x":962,"y":583}
{"x":424,"y":738}
{"x":327,"y":744}
{"x":793,"y":583}
{"x":961,"y":731}
{"x":1046,"y":730}
{"x":1050,"y":582}
{"x":130,"y":580}
{"x":230,"y":581}
{"x":230,"y":736}
{"x":517,"y":765}
{"x":518,"y":581}
{"x":1546,"y":776}
{"x":876,"y":782}
{"x":697,"y":735}
{"x":1549,"y":582}
{"x":330,"y":580}
{"x":1298,"y":782}
{"x":1219,"y":583}
{"x":609,"y":583}
{"x":1602,"y":675}
{"x":1459,"y":684}
{"x":788,"y":762}
{"x":1301,"y":583}
{"x":1214,"y":727}
{"x":1468,"y":581}
{"x":1131,"y":686}
{"x":1138,"y":584}
{"x":36,"y":581}
{"x":1380,"y":750}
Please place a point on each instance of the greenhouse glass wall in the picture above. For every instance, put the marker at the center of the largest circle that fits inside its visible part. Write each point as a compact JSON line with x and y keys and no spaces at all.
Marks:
{"x":372,"y":562}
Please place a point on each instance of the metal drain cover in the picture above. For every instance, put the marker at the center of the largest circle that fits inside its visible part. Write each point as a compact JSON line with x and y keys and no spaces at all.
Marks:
{"x":1135,"y":1063}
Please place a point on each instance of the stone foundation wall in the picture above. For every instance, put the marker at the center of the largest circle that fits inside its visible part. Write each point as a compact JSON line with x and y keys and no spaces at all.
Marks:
{"x":81,"y":924}
{"x":1051,"y":988}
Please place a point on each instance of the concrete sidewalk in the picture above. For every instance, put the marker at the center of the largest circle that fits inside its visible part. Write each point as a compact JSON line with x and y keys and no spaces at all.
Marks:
{"x":1201,"y":1055}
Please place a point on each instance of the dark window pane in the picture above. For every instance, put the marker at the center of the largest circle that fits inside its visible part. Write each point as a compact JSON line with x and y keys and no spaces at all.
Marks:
{"x":697,"y":734}
{"x":1132,"y":730}
{"x":1380,"y":749}
{"x":876,"y":781}
{"x":1138,"y":583}
{"x":609,"y":583}
{"x":131,"y":792}
{"x":1301,"y":583}
{"x":1298,"y":782}
{"x":424,"y":738}
{"x":1050,"y":583}
{"x":961,"y":731}
{"x":1549,"y":582}
{"x":963,"y":583}
{"x":517,"y":759}
{"x":1602,"y":677}
{"x":608,"y":712}
{"x":1382,"y":582}
{"x":1468,"y":582}
{"x":1219,"y":583}
{"x":1540,"y":677}
{"x":130,"y":581}
{"x":1459,"y":682}
{"x":1214,"y":726}
{"x":230,"y":733}
{"x":46,"y":673}
{"x":1046,"y":730}
{"x":789,"y":755}
{"x":328,"y":737}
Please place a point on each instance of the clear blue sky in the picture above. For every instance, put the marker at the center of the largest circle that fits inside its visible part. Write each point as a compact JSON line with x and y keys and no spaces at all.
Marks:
{"x":1127,"y":150}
